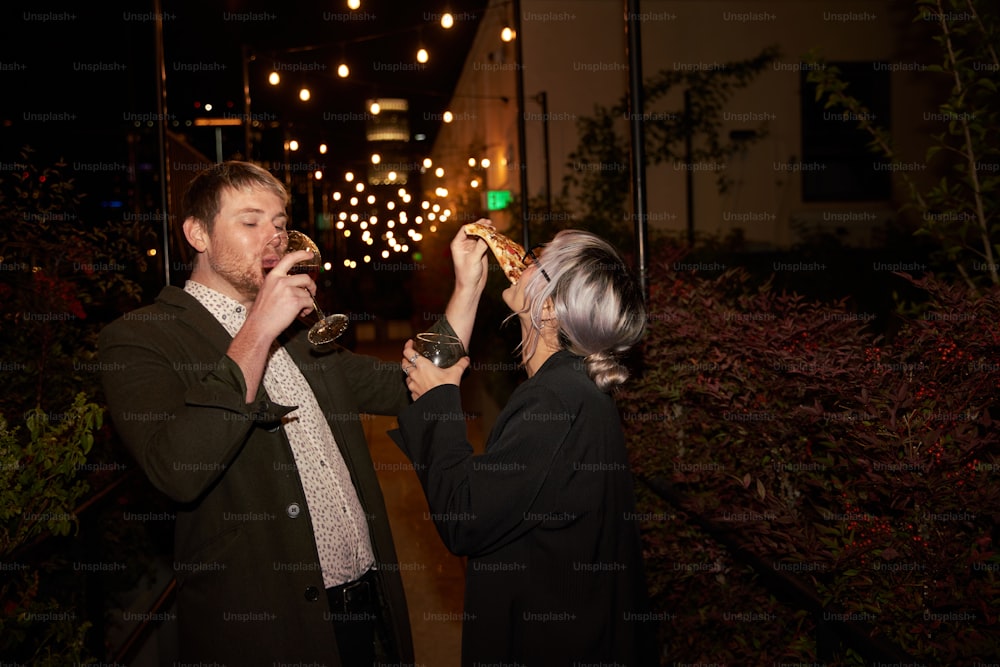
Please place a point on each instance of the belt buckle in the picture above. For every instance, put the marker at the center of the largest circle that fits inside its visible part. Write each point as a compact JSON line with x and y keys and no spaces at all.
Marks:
{"x":355,"y":594}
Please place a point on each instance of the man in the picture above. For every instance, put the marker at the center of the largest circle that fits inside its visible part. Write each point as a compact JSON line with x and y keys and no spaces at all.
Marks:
{"x":282,"y":546}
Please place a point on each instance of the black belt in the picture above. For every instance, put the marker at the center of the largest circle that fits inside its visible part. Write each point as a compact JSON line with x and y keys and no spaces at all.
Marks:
{"x":354,"y":596}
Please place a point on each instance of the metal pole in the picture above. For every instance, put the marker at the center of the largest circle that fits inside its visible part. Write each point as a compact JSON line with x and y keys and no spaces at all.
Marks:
{"x":689,"y":172}
{"x":638,"y":139}
{"x":246,"y":100}
{"x":522,"y":142}
{"x":543,"y":99}
{"x":161,"y":104}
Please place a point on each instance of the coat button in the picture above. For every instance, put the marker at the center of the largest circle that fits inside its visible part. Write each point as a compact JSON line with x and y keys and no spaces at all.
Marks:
{"x":293,"y":510}
{"x":312,"y":593}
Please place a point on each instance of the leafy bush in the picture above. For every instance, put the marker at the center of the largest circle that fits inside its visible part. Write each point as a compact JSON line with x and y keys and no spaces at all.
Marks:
{"x":62,"y":279}
{"x":39,"y":492}
{"x":861,"y":468}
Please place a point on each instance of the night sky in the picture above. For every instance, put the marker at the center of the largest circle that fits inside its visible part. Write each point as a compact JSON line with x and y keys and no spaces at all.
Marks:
{"x":78,"y":80}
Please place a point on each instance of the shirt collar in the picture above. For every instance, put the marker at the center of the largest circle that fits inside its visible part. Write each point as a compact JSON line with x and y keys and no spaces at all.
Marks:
{"x":230,"y":313}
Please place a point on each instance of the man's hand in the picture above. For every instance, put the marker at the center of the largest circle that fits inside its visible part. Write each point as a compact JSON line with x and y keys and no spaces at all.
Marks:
{"x":281,"y":298}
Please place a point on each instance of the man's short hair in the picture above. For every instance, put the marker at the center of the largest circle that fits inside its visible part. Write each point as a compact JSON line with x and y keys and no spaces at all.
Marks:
{"x":203,"y":195}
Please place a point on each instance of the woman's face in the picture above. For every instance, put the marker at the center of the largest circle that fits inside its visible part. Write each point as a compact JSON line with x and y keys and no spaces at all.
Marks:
{"x":514,"y":296}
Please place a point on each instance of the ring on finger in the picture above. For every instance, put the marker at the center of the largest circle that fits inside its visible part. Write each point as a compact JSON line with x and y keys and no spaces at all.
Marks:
{"x":413,"y":359}
{"x":406,"y":370}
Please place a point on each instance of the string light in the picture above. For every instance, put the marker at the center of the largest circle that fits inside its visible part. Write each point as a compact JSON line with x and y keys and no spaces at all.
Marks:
{"x":447,"y":20}
{"x":274,"y":78}
{"x":422,"y":55}
{"x":507,"y":34}
{"x":343,"y":71}
{"x":304,"y":94}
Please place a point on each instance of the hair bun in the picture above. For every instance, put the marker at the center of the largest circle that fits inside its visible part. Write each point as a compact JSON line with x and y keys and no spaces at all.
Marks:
{"x":605,"y":370}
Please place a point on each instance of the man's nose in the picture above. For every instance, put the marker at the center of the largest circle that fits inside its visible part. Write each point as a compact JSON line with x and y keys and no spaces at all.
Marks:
{"x":279,"y":241}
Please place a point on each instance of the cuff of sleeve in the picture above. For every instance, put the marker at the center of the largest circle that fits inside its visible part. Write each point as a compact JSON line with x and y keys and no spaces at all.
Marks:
{"x":443,"y":326}
{"x":226,"y":388}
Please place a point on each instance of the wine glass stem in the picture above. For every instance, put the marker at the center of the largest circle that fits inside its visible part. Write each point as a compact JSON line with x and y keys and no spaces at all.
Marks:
{"x":319,"y":311}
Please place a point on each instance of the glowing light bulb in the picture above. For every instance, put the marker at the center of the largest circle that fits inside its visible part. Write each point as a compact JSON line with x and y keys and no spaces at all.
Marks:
{"x":447,"y":20}
{"x":343,"y":71}
{"x":422,"y":56}
{"x":274,"y":78}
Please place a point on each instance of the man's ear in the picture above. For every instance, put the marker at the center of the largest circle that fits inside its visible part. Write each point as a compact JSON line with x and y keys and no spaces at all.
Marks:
{"x":195,"y":233}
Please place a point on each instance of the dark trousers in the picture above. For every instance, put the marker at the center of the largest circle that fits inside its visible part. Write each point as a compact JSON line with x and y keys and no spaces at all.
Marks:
{"x":356,"y":613}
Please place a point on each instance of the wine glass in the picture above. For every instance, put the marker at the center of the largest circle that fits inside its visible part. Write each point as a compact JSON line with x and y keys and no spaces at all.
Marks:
{"x":443,"y":350}
{"x":329,"y":327}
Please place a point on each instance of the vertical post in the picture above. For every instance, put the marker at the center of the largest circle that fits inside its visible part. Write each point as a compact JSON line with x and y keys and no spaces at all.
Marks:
{"x":161,"y":108}
{"x":311,"y":203}
{"x":689,"y":172}
{"x":638,"y":139}
{"x":246,"y":101}
{"x":543,"y":100}
{"x":218,"y":144}
{"x":522,"y":142}
{"x":288,"y":170}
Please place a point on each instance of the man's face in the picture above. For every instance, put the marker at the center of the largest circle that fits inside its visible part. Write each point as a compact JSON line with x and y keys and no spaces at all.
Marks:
{"x":245,"y":241}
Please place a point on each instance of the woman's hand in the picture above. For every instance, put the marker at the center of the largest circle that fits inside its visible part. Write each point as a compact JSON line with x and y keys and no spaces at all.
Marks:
{"x":468,"y":254}
{"x":422,"y":375}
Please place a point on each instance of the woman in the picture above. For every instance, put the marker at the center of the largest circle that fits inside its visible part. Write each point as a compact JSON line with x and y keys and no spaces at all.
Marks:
{"x":546,"y":514}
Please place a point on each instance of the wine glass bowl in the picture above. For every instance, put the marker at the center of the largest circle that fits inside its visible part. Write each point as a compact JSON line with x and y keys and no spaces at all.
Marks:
{"x":299,"y":241}
{"x":329,"y":327}
{"x":442,"y":350}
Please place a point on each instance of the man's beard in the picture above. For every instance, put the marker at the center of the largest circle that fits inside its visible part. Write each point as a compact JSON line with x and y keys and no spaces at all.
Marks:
{"x":246,"y":280}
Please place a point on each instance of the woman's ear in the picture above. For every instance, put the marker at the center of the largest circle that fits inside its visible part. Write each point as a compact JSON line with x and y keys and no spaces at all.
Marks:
{"x":196,"y":234}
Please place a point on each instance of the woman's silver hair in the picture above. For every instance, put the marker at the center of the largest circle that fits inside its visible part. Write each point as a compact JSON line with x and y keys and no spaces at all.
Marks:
{"x":597,"y":303}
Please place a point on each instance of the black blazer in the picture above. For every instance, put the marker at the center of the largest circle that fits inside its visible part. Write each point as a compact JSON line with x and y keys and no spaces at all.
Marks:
{"x":546,"y":516}
{"x":250,"y":589}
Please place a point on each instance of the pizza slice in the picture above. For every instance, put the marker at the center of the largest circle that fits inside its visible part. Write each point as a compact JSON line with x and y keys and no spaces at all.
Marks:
{"x":508,"y":253}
